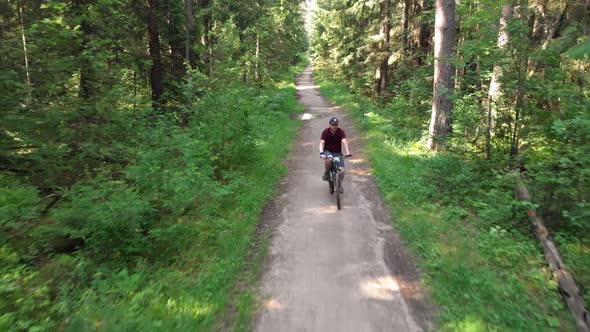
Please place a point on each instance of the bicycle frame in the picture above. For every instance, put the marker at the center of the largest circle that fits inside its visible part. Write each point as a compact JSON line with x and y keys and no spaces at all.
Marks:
{"x":335,"y":180}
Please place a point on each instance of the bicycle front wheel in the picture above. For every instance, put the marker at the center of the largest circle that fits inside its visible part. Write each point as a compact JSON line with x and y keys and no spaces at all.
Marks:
{"x":331,"y":184}
{"x":337,"y":189}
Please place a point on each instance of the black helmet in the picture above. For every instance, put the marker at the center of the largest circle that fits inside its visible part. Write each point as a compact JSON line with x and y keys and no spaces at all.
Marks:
{"x":334,"y":120}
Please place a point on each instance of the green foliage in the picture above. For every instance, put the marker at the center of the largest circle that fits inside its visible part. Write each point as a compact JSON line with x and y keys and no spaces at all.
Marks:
{"x":468,"y":123}
{"x":341,"y":44}
{"x":561,"y":172}
{"x":224,"y":119}
{"x":191,"y":291}
{"x":111,"y":218}
{"x":576,"y":252}
{"x":163,"y":240}
{"x":19,"y":203}
{"x":175,"y":174}
{"x":484,"y":272}
{"x":580,"y":51}
{"x":9,"y":88}
{"x":449,"y":175}
{"x":25,"y":296}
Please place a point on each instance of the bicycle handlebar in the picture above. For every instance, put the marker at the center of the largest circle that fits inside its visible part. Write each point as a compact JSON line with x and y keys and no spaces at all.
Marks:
{"x":345,"y":156}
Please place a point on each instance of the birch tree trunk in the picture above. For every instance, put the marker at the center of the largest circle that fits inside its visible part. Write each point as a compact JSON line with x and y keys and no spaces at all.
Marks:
{"x":25,"y":53}
{"x":206,"y":39}
{"x":257,"y":76}
{"x":442,"y":105}
{"x":383,"y":80}
{"x":495,"y":90}
{"x":518,"y":109}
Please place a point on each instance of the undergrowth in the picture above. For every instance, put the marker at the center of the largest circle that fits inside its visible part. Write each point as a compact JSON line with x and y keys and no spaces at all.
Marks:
{"x":155,"y":243}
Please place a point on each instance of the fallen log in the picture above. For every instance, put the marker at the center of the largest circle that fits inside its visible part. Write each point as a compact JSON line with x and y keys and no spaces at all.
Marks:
{"x":565,"y":282}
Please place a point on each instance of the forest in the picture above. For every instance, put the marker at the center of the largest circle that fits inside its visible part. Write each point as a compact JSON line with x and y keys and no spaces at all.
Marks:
{"x":140,"y":141}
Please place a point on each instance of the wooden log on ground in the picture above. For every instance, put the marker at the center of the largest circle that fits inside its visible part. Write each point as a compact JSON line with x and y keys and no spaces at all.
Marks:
{"x":567,"y":286}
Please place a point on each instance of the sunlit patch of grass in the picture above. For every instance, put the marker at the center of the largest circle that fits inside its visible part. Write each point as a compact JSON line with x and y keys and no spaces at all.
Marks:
{"x":469,"y":324}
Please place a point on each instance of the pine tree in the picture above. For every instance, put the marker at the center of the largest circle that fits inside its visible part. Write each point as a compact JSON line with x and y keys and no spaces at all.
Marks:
{"x":442,"y":105}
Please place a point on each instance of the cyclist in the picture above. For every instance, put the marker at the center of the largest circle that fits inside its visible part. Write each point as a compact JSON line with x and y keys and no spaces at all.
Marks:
{"x":331,"y":142}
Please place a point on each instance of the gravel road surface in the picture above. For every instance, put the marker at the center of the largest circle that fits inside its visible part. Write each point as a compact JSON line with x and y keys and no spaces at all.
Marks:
{"x":331,"y":270}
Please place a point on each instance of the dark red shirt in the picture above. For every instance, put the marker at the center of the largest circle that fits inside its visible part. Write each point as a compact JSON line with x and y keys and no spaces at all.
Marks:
{"x":333,"y":140}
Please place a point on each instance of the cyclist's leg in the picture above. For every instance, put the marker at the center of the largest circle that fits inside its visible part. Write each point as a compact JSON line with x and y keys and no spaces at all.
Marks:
{"x":341,"y":166}
{"x":341,"y":162}
{"x":327,"y":165}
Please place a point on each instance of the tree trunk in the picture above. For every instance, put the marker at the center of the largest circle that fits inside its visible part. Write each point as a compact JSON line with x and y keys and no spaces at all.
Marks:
{"x":87,"y":84}
{"x":554,"y":28}
{"x":383,"y":80}
{"x":189,"y":32}
{"x":538,"y":21}
{"x":444,"y":42}
{"x":550,"y":32}
{"x":567,"y":286}
{"x":25,"y":54}
{"x":87,"y":87}
{"x":517,"y":112}
{"x":174,"y":36}
{"x":457,"y":77}
{"x":405,"y":26}
{"x":87,"y":72}
{"x":257,"y":76}
{"x":585,"y":15}
{"x":154,"y":49}
{"x":495,"y":90}
{"x":424,"y":34}
{"x":206,"y":39}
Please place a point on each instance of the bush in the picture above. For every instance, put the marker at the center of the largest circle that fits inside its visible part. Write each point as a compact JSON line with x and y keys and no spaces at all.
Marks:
{"x":223,"y":120}
{"x":111,"y":218}
{"x":25,"y":303}
{"x":176,"y":174}
{"x":453,"y":178}
{"x":18,"y":203}
{"x":561,"y":174}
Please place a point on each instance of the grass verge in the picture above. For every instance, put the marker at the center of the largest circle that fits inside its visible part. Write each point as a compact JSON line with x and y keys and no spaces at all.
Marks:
{"x":242,"y":304}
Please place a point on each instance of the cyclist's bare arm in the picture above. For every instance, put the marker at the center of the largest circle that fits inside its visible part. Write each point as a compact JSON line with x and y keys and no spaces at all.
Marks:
{"x":322,"y":143}
{"x":345,"y":143}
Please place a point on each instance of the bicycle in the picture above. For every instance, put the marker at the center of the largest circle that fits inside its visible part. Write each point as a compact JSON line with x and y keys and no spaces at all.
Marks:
{"x":335,"y":177}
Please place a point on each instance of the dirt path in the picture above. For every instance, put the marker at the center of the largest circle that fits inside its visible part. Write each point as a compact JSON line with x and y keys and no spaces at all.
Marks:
{"x":331,"y":270}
